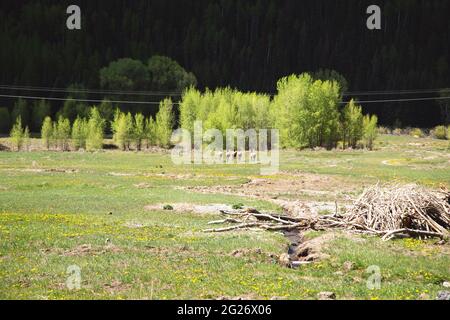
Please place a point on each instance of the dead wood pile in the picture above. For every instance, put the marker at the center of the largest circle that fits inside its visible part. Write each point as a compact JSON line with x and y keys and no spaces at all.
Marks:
{"x":396,"y":210}
{"x":386,"y":211}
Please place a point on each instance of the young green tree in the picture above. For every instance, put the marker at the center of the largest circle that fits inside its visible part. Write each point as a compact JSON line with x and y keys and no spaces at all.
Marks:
{"x":370,"y":130}
{"x":225,"y":109}
{"x":95,"y":130}
{"x":164,"y":123}
{"x":305,"y":112}
{"x":139,"y":130}
{"x":21,"y":110}
{"x":332,"y":75}
{"x":79,"y":133}
{"x":351,"y":125}
{"x":47,"y":132}
{"x":223,"y":113}
{"x":115,"y":121}
{"x":188,"y":108}
{"x":62,"y":133}
{"x":123,"y":130}
{"x":130,"y":137}
{"x":120,"y":130}
{"x":261,"y":110}
{"x":17,"y":134}
{"x":150,"y":132}
{"x":26,"y":138}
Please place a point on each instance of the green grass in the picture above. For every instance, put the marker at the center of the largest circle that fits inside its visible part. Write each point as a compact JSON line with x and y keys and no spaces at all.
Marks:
{"x":46,"y":217}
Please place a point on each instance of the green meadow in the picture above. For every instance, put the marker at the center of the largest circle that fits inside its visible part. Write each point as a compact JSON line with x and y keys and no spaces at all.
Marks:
{"x":91,"y":210}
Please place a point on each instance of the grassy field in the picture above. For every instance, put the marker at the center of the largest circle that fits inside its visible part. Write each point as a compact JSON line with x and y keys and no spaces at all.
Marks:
{"x":89,"y":210}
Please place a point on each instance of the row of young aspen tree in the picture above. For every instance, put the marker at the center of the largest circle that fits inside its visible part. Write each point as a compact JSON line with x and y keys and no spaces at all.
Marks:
{"x":88,"y":133}
{"x":306,"y":112}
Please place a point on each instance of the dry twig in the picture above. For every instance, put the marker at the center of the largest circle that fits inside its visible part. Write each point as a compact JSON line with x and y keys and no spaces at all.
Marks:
{"x":389,"y":212}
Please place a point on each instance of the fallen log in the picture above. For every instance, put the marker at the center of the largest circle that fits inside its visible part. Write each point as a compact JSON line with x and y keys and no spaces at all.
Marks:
{"x":391,"y":234}
{"x":240,"y":226}
{"x":228,"y":220}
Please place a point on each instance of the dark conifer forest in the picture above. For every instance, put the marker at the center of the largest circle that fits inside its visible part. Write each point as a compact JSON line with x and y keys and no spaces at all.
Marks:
{"x":247,"y":45}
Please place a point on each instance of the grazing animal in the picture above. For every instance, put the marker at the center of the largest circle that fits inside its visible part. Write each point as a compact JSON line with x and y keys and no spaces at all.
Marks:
{"x":229,"y":155}
{"x":239,"y":155}
{"x":253,"y":156}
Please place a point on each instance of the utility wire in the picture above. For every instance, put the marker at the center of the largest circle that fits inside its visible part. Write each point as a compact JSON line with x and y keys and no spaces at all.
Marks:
{"x":157,"y":103}
{"x":398,"y":100}
{"x":177,"y":93}
{"x":392,"y":92}
{"x":81,"y":100}
{"x":87,"y":91}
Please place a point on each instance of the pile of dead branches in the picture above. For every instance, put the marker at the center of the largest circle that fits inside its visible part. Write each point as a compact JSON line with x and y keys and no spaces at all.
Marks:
{"x":386,"y":211}
{"x":397,"y":211}
{"x":251,"y":218}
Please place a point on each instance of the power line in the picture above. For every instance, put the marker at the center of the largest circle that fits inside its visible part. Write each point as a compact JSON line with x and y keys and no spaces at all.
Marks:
{"x":399,"y":100}
{"x":114,"y":92}
{"x":392,"y":92}
{"x":157,"y":103}
{"x":81,"y":100}
{"x":177,"y":93}
{"x":385,"y":93}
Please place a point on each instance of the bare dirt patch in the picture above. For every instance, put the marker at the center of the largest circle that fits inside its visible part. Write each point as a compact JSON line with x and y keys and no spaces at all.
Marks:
{"x":281,"y":189}
{"x":134,"y":225}
{"x":116,"y":286}
{"x":313,"y":250}
{"x":254,"y":253}
{"x":45,"y":170}
{"x":120,"y":174}
{"x":190,"y":207}
{"x":143,"y":185}
{"x":167,"y":251}
{"x":84,"y":250}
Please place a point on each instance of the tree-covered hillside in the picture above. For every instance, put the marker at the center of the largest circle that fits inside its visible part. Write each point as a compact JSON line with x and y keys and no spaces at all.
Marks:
{"x":244,"y":44}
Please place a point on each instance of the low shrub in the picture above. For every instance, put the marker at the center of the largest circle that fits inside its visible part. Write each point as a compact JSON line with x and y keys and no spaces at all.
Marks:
{"x":440,"y":132}
{"x":416,"y":133}
{"x":397,"y":132}
{"x":384,"y":130}
{"x":237,"y":206}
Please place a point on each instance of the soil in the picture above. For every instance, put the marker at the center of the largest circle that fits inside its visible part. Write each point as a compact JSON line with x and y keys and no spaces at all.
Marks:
{"x":47,"y":170}
{"x":88,"y":249}
{"x":116,"y":286}
{"x":190,"y":207}
{"x":312,"y":250}
{"x":281,"y":191}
